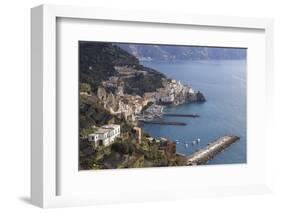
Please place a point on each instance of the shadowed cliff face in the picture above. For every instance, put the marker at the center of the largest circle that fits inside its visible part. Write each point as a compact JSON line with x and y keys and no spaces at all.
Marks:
{"x":200,"y":97}
{"x":97,"y":62}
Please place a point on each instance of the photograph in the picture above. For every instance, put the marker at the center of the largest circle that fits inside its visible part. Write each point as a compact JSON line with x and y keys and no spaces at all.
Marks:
{"x":161,"y":105}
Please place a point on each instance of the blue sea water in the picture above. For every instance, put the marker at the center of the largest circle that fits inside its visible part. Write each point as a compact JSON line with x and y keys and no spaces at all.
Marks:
{"x":223,"y":83}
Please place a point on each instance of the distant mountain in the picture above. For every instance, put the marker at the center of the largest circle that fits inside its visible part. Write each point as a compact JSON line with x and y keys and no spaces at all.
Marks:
{"x":171,"y":52}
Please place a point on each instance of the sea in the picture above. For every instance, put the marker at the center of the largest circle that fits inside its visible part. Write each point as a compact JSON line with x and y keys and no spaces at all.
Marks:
{"x":223,"y":83}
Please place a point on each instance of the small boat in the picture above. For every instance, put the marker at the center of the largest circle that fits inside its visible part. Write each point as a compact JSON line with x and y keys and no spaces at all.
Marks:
{"x":186,"y":145}
{"x":193,"y":142}
{"x":198,"y":140}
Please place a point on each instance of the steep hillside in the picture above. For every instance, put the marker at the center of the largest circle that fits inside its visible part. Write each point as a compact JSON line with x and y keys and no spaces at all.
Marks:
{"x":98,"y":59}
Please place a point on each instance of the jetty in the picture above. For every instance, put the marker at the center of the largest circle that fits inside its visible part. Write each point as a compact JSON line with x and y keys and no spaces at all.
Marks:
{"x":202,"y":156}
{"x":165,"y":123}
{"x":181,"y":115}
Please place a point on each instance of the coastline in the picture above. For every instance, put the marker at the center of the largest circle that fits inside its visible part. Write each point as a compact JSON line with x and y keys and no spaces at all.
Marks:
{"x":130,"y":93}
{"x":218,"y":116}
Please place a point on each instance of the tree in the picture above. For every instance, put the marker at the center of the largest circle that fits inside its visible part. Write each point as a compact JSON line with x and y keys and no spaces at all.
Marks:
{"x":84,"y":87}
{"x":85,"y":132}
{"x":124,"y":147}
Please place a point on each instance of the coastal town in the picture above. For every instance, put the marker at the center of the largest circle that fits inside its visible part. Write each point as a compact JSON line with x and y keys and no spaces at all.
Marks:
{"x":148,"y":106}
{"x":116,"y":98}
{"x":134,"y":109}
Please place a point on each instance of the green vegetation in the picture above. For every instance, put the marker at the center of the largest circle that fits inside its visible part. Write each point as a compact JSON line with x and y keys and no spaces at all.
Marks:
{"x":147,"y":106}
{"x":126,"y":147}
{"x":84,"y":87}
{"x":126,"y":153}
{"x":96,"y":64}
{"x":140,"y":83}
{"x":93,"y":113}
{"x":97,"y":61}
{"x":85,"y":132}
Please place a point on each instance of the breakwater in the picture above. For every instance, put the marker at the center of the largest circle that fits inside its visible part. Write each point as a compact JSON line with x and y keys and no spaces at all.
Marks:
{"x":165,"y":123}
{"x":211,"y":150}
{"x":182,"y":115}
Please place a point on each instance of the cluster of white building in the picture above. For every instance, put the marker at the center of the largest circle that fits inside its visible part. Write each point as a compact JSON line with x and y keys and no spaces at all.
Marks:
{"x":130,"y":106}
{"x":169,"y":92}
{"x":104,"y":135}
{"x":122,"y":105}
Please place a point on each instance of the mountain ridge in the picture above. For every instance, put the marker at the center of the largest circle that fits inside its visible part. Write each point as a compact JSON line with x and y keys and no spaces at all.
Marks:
{"x":175,"y":52}
{"x":98,"y":62}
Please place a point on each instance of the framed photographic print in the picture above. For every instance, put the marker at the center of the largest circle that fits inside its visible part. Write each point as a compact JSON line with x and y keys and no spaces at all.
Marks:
{"x":131,"y":105}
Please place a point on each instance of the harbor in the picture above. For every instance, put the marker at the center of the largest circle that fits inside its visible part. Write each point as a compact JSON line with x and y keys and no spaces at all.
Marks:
{"x":154,"y":115}
{"x":219,"y":116}
{"x":160,"y":122}
{"x":211,"y":150}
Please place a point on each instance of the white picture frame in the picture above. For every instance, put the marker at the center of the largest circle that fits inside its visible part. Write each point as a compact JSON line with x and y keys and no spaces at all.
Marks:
{"x":44,"y":153}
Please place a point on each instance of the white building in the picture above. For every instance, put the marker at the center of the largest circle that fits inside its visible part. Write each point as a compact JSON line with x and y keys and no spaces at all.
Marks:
{"x":85,"y":94}
{"x":191,"y":91}
{"x":167,"y":98}
{"x":104,"y":135}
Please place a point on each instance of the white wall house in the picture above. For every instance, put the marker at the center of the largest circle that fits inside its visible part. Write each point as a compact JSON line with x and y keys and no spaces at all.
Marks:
{"x":104,"y":135}
{"x":191,"y":91}
{"x":168,"y":98}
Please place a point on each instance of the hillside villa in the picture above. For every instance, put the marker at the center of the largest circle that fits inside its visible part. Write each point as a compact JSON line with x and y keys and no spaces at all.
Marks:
{"x":104,"y":135}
